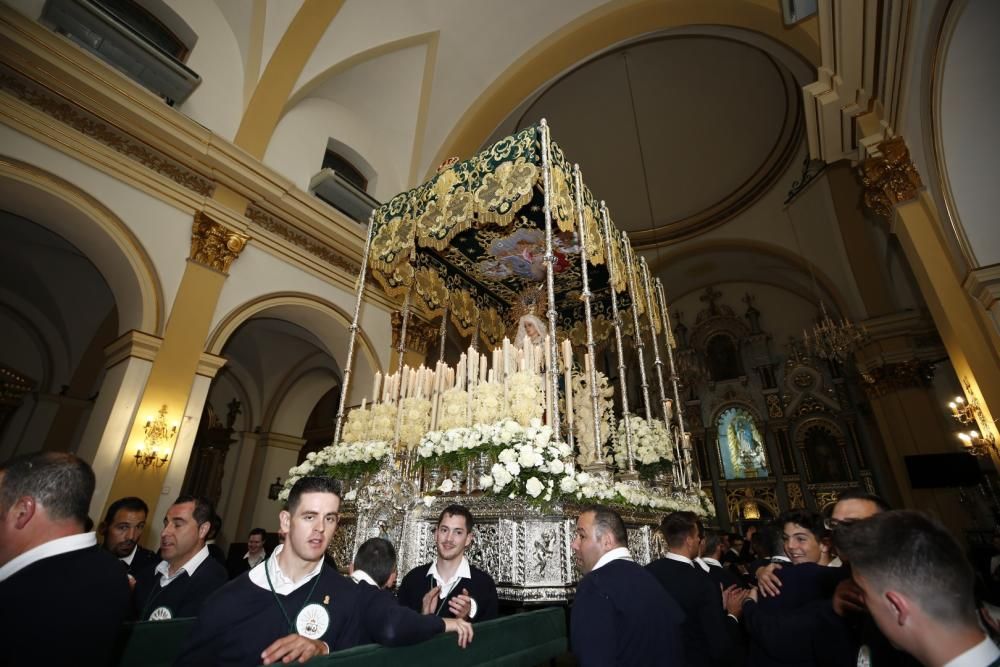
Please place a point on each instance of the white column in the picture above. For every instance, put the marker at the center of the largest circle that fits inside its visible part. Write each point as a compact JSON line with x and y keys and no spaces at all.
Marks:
{"x":276,"y":453}
{"x":235,"y":483}
{"x":130,"y":360}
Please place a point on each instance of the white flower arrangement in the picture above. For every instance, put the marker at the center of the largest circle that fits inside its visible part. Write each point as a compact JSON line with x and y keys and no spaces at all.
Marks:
{"x":343,"y":461}
{"x":524,"y":392}
{"x":454,"y":409}
{"x":416,"y":420}
{"x":383,"y":422}
{"x":356,"y":426}
{"x":583,"y":414}
{"x":530,"y":465}
{"x":652,"y":444}
{"x":585,"y":487}
{"x":488,"y":404}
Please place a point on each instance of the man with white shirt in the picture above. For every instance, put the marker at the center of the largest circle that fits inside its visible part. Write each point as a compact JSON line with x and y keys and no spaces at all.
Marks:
{"x":375,"y":564}
{"x":121,"y":530}
{"x":451,"y":587}
{"x":712,"y":548}
{"x":620,"y":615}
{"x":710,"y":632}
{"x":295,"y":607}
{"x":180,"y":583}
{"x":254,"y":556}
{"x":920,"y":592}
{"x":64,"y":598}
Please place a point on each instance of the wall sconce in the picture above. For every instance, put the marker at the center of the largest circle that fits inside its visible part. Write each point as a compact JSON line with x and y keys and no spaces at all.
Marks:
{"x":157,"y":432}
{"x":964,"y":413}
{"x":977,"y":444}
{"x":275,"y":489}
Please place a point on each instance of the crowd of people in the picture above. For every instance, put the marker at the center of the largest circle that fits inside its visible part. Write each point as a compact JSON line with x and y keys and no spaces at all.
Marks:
{"x":864,"y":586}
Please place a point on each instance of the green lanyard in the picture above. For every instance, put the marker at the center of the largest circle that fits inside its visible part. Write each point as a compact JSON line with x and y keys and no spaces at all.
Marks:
{"x":291,"y":626}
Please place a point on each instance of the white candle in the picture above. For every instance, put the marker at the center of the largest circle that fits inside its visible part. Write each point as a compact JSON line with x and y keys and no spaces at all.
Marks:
{"x":375,"y":386}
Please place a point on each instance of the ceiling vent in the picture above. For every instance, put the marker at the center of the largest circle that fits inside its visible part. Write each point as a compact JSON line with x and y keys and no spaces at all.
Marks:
{"x":343,"y":195}
{"x":105,"y":35}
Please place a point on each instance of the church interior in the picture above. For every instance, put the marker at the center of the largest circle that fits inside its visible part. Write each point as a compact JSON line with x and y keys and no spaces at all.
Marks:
{"x":185,"y":189}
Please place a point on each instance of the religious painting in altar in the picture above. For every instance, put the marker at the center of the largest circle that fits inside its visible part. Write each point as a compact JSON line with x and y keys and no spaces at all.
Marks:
{"x":741,"y":446}
{"x":825,"y":457}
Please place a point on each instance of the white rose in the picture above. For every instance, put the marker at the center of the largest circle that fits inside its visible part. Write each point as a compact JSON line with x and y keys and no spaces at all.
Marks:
{"x":485,"y":481}
{"x":534,"y":487}
{"x":583,"y":478}
{"x":351,"y":495}
{"x":446,"y":486}
{"x":527,"y":458}
{"x":428,"y":500}
{"x":513,"y":468}
{"x":507,"y":456}
{"x":556,"y":467}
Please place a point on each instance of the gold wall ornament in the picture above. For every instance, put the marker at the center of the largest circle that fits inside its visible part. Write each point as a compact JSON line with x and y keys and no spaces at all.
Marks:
{"x":795,"y":498}
{"x":215,"y":245}
{"x":889,"y":378}
{"x":889,"y":178}
{"x":419,"y":333}
{"x":99,"y":130}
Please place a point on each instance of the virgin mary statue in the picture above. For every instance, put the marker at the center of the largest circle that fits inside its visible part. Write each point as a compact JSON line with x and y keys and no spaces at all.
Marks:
{"x":532,"y":328}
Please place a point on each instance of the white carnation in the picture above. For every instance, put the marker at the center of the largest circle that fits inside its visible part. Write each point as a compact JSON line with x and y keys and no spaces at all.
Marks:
{"x":534,"y":487}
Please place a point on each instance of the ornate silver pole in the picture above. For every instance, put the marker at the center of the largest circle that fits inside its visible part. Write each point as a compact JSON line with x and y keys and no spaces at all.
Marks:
{"x":657,"y":362}
{"x":401,"y":352}
{"x":639,"y":345}
{"x":354,"y":330}
{"x":584,"y":259}
{"x":616,"y":321}
{"x":550,"y":375}
{"x":444,"y":333}
{"x":678,"y":406}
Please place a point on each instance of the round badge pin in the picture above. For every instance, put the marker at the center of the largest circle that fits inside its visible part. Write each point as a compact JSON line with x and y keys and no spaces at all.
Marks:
{"x":161,"y":614}
{"x":312,"y":621}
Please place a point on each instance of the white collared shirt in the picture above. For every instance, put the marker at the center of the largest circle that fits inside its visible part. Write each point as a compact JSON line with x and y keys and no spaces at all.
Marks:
{"x":254,"y":562}
{"x":700,"y":562}
{"x":360,"y":575}
{"x":51,"y":548}
{"x":128,"y":559}
{"x":983,"y":653}
{"x":679,"y":558}
{"x":618,"y":553}
{"x":283,"y":585}
{"x":163,"y":567}
{"x":711,"y":562}
{"x":780,"y":559}
{"x":463,"y":571}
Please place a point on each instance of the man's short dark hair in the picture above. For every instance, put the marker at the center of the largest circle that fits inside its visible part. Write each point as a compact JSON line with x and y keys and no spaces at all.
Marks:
{"x":458,"y":510}
{"x":768,"y":540}
{"x":924,"y":562}
{"x":310,"y":485}
{"x":858,"y":494}
{"x":808,"y":519}
{"x":606,"y":520}
{"x":203,"y":512}
{"x":216,"y":526}
{"x":736,"y":537}
{"x":377,"y":557}
{"x":129,"y":504}
{"x":713,"y":538}
{"x":258,"y":531}
{"x":676,"y":527}
{"x":61,"y":483}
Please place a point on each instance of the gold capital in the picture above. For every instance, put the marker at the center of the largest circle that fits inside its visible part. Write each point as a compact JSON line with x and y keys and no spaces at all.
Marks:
{"x":889,"y":177}
{"x":215,"y":245}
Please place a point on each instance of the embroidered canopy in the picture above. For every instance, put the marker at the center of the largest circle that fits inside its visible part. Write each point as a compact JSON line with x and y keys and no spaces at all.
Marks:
{"x":472,"y":239}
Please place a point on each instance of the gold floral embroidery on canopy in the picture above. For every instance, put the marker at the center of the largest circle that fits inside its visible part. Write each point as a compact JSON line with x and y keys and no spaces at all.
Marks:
{"x":464,"y":312}
{"x":491,"y":327}
{"x":431,"y":289}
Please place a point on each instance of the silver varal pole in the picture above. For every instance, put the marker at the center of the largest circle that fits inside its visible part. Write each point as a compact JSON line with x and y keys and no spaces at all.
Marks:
{"x":616,"y":322}
{"x":443,"y":334}
{"x":584,"y":259}
{"x":550,"y":375}
{"x":657,"y":362}
{"x":639,"y":345}
{"x":354,"y":330}
{"x":678,"y":406}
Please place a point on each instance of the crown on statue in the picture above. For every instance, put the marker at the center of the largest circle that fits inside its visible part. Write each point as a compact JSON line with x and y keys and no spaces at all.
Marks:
{"x":532,"y":301}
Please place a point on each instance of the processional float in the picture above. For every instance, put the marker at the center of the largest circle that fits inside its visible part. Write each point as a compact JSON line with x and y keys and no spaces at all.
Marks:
{"x":521,"y":431}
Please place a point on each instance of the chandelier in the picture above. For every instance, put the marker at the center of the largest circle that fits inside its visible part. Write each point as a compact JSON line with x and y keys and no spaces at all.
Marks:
{"x":157,"y":433}
{"x":832,"y":340}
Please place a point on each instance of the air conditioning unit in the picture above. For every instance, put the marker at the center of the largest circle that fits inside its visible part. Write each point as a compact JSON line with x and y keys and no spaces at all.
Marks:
{"x":102,"y":33}
{"x":343,"y":195}
{"x":793,"y":11}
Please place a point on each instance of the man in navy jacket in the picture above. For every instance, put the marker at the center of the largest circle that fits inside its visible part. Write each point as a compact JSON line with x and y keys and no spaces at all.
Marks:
{"x":621,"y":615}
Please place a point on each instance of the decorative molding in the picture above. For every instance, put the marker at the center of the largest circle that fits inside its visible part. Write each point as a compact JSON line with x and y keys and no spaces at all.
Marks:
{"x":889,"y":178}
{"x":420,"y":334}
{"x":307,"y":242}
{"x":280,"y":441}
{"x":91,"y":126}
{"x":889,"y":378}
{"x":984,"y":286}
{"x":795,"y":498}
{"x":214,"y":245}
{"x":209,"y":364}
{"x":133,"y":343}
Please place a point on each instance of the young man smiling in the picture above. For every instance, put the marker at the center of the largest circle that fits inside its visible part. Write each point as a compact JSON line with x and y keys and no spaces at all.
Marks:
{"x":295,"y":607}
{"x":177,"y":587}
{"x":450,"y":586}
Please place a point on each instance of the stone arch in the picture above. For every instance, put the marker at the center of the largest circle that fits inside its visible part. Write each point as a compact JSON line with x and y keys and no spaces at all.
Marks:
{"x":325,"y":320}
{"x":823,"y":467}
{"x":79,"y":218}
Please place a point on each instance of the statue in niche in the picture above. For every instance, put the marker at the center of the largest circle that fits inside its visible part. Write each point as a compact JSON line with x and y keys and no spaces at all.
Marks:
{"x":741,"y":445}
{"x":826,"y":463}
{"x":723,"y":358}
